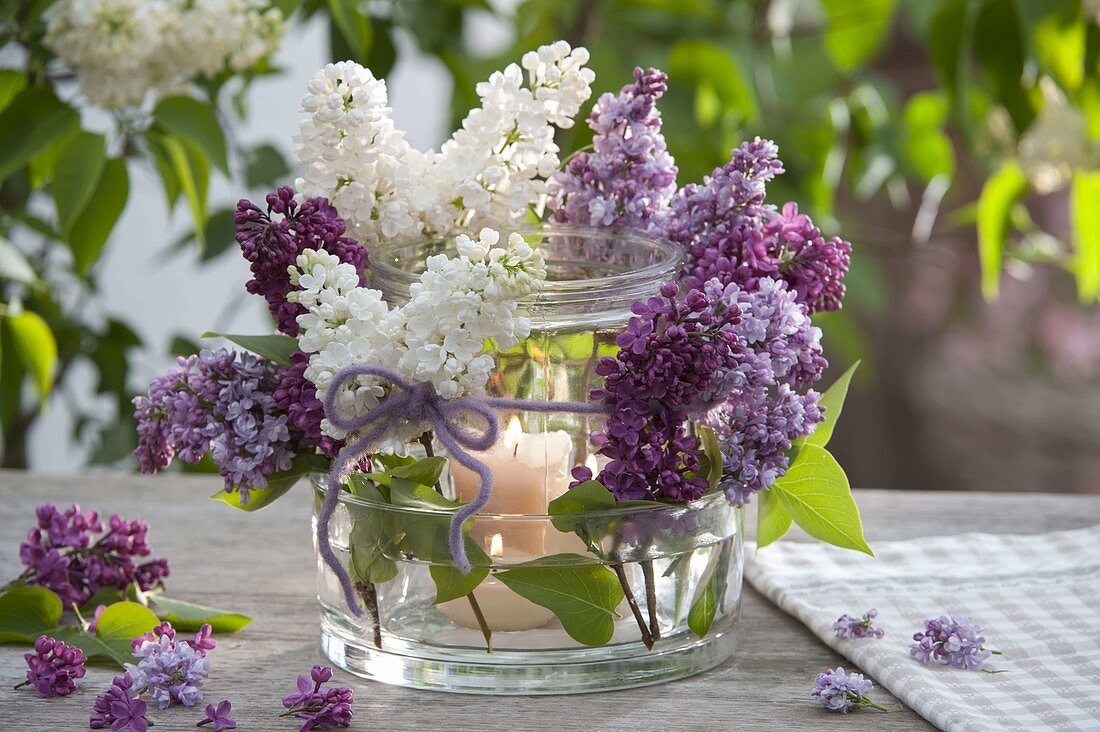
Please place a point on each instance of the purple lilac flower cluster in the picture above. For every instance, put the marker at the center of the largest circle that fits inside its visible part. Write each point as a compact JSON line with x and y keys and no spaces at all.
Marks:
{"x":729,"y":233}
{"x":327,"y":709}
{"x":952,"y":641}
{"x":629,"y":177}
{"x":171,"y":670}
{"x":839,"y":691}
{"x":848,"y":627}
{"x":272,"y":245}
{"x":54,"y":667}
{"x":218,"y":717}
{"x":218,"y":402}
{"x":672,"y":364}
{"x":119,"y":708}
{"x":765,"y":412}
{"x":63,"y":554}
{"x":296,"y":396}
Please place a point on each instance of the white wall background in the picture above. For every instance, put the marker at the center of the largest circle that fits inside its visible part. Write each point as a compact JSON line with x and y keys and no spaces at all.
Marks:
{"x":162,"y":296}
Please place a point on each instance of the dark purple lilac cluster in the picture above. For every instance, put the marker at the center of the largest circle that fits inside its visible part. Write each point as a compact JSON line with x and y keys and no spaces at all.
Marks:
{"x":317,"y":708}
{"x":272,"y":245}
{"x":297,"y":397}
{"x":119,"y":708}
{"x":63,"y":554}
{"x":760,"y":419}
{"x":952,"y":641}
{"x":223,"y":403}
{"x":848,"y":627}
{"x":732,"y":235}
{"x":629,"y":177}
{"x":673,"y":362}
{"x":54,"y":667}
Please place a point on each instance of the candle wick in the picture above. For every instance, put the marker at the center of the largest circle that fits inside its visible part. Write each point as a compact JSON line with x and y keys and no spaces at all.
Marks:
{"x":515,"y":451}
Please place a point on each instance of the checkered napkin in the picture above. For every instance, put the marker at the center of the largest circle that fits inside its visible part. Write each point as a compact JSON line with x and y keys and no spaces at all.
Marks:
{"x":1037,"y":598}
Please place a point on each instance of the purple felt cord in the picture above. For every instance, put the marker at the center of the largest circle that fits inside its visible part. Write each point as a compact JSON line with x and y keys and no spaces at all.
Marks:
{"x":419,"y":403}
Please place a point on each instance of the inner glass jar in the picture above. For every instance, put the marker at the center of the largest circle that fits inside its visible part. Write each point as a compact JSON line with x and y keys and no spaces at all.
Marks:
{"x":593,"y":278}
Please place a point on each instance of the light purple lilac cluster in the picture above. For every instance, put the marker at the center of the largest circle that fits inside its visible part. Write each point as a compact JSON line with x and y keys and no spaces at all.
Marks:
{"x":271,"y":245}
{"x":848,"y":627}
{"x":952,"y":641}
{"x":766,"y":411}
{"x":171,"y":670}
{"x":119,"y":708}
{"x":317,"y":708}
{"x":63,"y":554}
{"x":223,"y":403}
{"x":674,"y":360}
{"x":839,"y":691}
{"x":629,"y":177}
{"x":54,"y":667}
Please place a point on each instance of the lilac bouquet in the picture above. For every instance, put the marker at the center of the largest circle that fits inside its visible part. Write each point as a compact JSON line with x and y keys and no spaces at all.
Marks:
{"x":711,"y":388}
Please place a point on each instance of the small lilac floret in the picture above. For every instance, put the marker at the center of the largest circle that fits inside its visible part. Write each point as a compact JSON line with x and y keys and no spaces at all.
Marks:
{"x":170,"y":670}
{"x":842,"y":692}
{"x":54,"y":667}
{"x":218,"y":716}
{"x":953,"y":641}
{"x":319,"y":708}
{"x":848,"y":627}
{"x":119,"y":708}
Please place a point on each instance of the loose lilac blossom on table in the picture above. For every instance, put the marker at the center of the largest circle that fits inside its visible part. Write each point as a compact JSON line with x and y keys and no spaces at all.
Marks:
{"x":843,"y":692}
{"x":218,"y":717}
{"x":54,"y":667}
{"x":317,"y":708}
{"x":119,"y":708}
{"x":952,"y":641}
{"x":848,"y":627}
{"x":171,"y":670}
{"x":63,"y":554}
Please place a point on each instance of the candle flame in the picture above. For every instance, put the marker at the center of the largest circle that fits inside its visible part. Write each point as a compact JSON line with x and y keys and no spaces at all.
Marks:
{"x":591,"y":463}
{"x":513,"y":433}
{"x":496,"y":546}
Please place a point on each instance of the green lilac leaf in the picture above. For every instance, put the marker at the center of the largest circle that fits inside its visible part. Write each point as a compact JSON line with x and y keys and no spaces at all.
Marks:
{"x":102,"y":596}
{"x":1086,"y":233}
{"x":191,"y":171}
{"x":1001,"y":191}
{"x":370,"y":536}
{"x":195,"y":121}
{"x":33,"y":121}
{"x":96,"y":650}
{"x":833,"y":402}
{"x":772,"y":519}
{"x":278,"y":483}
{"x":14,"y":266}
{"x":856,"y":29}
{"x":27,"y":611}
{"x":712,"y":451}
{"x":76,"y":176}
{"x":701,"y":615}
{"x":189,"y":616}
{"x":121,"y":622}
{"x":277,"y":348}
{"x":815,"y":492}
{"x":93,"y":227}
{"x":35,"y":344}
{"x":451,"y":584}
{"x":581,"y":594}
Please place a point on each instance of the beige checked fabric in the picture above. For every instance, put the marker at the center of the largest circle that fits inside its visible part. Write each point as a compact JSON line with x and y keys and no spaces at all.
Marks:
{"x":1037,"y":598}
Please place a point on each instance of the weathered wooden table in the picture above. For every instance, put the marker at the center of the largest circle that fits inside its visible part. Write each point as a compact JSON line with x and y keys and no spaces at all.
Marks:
{"x":262,"y":564}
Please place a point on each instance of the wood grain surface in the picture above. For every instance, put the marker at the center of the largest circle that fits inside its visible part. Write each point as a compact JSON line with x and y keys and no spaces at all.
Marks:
{"x":262,"y":564}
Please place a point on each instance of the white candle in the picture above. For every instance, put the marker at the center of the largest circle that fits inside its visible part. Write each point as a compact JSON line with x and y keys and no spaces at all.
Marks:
{"x":503,"y":609}
{"x":529,"y":470}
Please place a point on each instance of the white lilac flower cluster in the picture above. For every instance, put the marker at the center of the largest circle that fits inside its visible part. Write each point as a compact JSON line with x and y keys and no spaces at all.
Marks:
{"x":438,"y":336}
{"x":125,"y":51}
{"x":487,"y":174}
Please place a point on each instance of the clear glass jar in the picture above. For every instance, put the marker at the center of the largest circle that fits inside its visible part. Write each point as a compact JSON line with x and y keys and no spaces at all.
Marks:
{"x":668,"y":576}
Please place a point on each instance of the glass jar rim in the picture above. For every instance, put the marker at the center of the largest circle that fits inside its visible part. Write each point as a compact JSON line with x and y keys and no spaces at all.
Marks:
{"x":667,"y":258}
{"x":318,"y":481}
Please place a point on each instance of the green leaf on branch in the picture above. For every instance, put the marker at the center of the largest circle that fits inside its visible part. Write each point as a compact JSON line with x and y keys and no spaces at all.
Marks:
{"x":856,"y":30}
{"x":355,"y":29}
{"x":14,"y":266}
{"x":192,"y":172}
{"x":76,"y":176}
{"x":370,"y":536}
{"x":833,"y":402}
{"x":583,"y":595}
{"x":1086,"y":234}
{"x":712,"y":451}
{"x":189,"y":616}
{"x":26,"y":612}
{"x":11,"y":83}
{"x":816,"y":494}
{"x":701,"y":615}
{"x":33,"y":121}
{"x":772,"y":519}
{"x":266,"y":167}
{"x":451,"y":584}
{"x":1000,"y":193}
{"x":278,"y":483}
{"x":277,"y":348}
{"x":37,"y":349}
{"x":195,"y":121}
{"x":93,"y":227}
